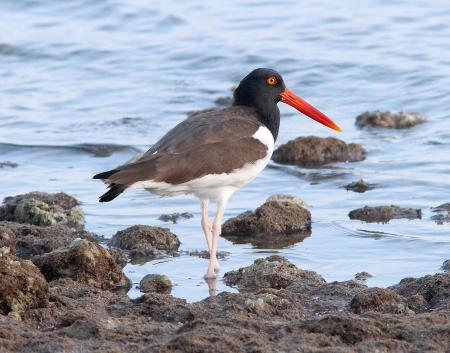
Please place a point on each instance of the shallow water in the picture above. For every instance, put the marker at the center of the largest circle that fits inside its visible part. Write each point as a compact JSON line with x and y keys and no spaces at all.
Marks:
{"x":76,"y":75}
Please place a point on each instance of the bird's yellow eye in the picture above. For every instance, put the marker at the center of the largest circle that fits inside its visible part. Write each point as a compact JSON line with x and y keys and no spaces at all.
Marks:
{"x":272,"y":81}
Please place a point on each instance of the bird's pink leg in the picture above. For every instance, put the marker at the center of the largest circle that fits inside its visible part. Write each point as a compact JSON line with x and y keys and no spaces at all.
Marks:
{"x":206,"y":224}
{"x":214,"y":267}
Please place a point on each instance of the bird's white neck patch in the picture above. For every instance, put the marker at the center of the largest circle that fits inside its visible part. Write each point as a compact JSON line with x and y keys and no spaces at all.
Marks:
{"x":264,"y":135}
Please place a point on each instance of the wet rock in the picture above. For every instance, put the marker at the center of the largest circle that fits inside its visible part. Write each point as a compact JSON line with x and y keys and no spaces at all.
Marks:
{"x":146,"y":242}
{"x":30,"y":240}
{"x":42,"y":209}
{"x":442,"y":213}
{"x":272,"y":272}
{"x":435,"y":289}
{"x":446,"y":266}
{"x":224,"y":101}
{"x":400,"y":120}
{"x":162,"y":307}
{"x":383,"y":214}
{"x":271,"y":218}
{"x":156,"y":283}
{"x":22,"y":286}
{"x":313,"y":151}
{"x":374,"y":299}
{"x":85,"y":262}
{"x":359,"y":186}
{"x":8,"y":165}
{"x":174,"y":217}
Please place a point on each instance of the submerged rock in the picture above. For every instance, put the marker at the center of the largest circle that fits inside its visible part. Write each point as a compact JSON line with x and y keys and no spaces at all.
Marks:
{"x":362,"y":276}
{"x":272,"y":272}
{"x":204,"y":254}
{"x":8,"y":165}
{"x":359,"y":186}
{"x":400,"y":120}
{"x":85,"y":262}
{"x":146,"y":242}
{"x":442,"y":213}
{"x":271,"y":218}
{"x":383,"y":214}
{"x":22,"y":286}
{"x":313,"y":151}
{"x":174,"y":217}
{"x":374,"y":299}
{"x":42,"y":209}
{"x":156,"y":283}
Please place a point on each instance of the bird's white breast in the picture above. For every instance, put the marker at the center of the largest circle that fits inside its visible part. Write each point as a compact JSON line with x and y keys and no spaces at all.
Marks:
{"x":215,"y":186}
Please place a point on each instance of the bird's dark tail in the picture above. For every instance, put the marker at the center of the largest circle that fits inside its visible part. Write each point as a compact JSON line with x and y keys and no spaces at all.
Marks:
{"x":114,"y":191}
{"x":105,"y":175}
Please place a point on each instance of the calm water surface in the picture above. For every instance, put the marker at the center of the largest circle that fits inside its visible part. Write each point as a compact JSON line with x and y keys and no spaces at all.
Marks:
{"x":76,"y":73}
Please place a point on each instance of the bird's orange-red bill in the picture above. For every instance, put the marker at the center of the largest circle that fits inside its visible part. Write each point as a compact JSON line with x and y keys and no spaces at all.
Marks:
{"x":301,"y":105}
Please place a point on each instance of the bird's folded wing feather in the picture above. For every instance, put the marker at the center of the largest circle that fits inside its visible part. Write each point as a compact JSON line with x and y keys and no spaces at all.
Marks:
{"x":209,"y":143}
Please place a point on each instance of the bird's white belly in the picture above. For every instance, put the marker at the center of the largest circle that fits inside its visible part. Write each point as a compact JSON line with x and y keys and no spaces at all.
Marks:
{"x":215,"y":186}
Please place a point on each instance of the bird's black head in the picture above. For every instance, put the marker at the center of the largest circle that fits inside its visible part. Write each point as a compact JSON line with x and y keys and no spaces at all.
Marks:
{"x":262,"y":89}
{"x":259,"y":88}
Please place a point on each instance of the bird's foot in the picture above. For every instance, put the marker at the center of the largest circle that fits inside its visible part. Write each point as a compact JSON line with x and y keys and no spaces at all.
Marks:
{"x":210,"y":275}
{"x":216,"y":267}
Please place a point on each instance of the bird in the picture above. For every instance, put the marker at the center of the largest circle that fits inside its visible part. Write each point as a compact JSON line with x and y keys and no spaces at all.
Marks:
{"x":213,"y":153}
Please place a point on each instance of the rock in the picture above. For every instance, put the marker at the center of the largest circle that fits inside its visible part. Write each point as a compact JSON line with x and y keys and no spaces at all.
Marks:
{"x":383,"y":214}
{"x":446,"y":266}
{"x":359,"y":186}
{"x":272,"y":217}
{"x":7,"y":239}
{"x":85,"y":262}
{"x":162,"y":307}
{"x":363,"y":276}
{"x":224,"y":101}
{"x":400,"y":120}
{"x":174,"y":217}
{"x":8,"y":165}
{"x":272,"y":272}
{"x":312,"y":151}
{"x":30,"y":240}
{"x":43,"y":209}
{"x":283,"y":198}
{"x":204,"y":254}
{"x":443,"y":213}
{"x":435,"y":289}
{"x":146,"y":242}
{"x":22,"y":286}
{"x":374,"y":299}
{"x":156,"y":283}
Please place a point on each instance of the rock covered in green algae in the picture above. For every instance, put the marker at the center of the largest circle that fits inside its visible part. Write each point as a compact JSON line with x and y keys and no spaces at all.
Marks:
{"x":379,"y":119}
{"x":271,"y":272}
{"x":22,"y":286}
{"x":85,"y":262}
{"x":146,"y":242}
{"x":155,"y":283}
{"x":313,"y":151}
{"x":43,"y":209}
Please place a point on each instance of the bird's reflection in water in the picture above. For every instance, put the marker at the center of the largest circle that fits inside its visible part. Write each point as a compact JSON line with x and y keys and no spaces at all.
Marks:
{"x":212,"y":286}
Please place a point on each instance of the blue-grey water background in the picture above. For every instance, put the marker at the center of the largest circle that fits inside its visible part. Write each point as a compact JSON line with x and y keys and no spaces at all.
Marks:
{"x":75,"y":73}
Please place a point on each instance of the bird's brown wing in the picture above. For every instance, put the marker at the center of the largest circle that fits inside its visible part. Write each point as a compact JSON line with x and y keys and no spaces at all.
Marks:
{"x":206,"y":143}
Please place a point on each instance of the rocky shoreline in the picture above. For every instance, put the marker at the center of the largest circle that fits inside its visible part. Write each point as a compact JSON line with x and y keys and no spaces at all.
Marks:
{"x":61,"y":291}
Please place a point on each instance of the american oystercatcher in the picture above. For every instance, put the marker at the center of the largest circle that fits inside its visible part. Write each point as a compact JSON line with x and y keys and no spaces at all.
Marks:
{"x":213,"y":153}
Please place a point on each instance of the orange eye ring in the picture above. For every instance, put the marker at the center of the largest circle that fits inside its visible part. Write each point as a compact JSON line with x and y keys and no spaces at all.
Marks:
{"x":272,"y":81}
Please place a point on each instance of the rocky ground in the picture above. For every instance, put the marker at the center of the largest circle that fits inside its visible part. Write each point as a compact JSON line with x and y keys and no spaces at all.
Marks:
{"x":61,"y":291}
